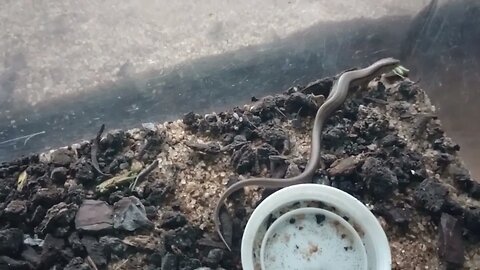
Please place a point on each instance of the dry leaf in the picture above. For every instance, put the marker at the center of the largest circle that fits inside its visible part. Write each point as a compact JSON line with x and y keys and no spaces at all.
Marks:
{"x":22,"y":180}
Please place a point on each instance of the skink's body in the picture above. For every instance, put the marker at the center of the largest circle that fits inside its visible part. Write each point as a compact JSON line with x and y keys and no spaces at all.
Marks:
{"x":335,"y":99}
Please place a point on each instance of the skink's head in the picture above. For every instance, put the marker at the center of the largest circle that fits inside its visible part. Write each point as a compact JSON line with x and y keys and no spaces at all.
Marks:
{"x":383,"y":66}
{"x":363,"y":76}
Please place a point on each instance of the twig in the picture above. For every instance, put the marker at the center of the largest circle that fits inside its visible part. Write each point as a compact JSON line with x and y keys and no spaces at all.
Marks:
{"x":26,"y":137}
{"x":376,"y":100}
{"x":210,"y":243}
{"x":278,"y":110}
{"x":299,"y":110}
{"x":91,"y":263}
{"x":122,"y":264}
{"x":248,"y":121}
{"x":417,"y":81}
{"x":144,"y":173}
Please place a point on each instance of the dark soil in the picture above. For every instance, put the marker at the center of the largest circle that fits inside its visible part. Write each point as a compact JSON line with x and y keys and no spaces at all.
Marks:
{"x":53,"y":216}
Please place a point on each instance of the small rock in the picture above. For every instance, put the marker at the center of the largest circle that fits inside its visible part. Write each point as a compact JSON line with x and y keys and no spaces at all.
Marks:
{"x":450,"y":246}
{"x":150,"y":267}
{"x":443,"y":160}
{"x":143,"y":242}
{"x":292,"y":170}
{"x":329,"y":159}
{"x":268,"y":107}
{"x":445,"y":145}
{"x":319,"y":87}
{"x":52,"y":252}
{"x":407,"y":90}
{"x":114,"y":247}
{"x":45,"y":157}
{"x":16,"y":209}
{"x":75,"y":192}
{"x":150,"y":148}
{"x":214,"y":257}
{"x":183,"y":238}
{"x":35,"y":183}
{"x":395,"y":215}
{"x":334,"y":135}
{"x":47,"y":197}
{"x":124,"y":166}
{"x":391,"y":140}
{"x":278,"y":166}
{"x":130,"y":215}
{"x":33,"y":242}
{"x":264,"y":152}
{"x":156,"y":193}
{"x":11,"y":241}
{"x":277,"y":138}
{"x":299,"y":102}
{"x":321,"y":178}
{"x":227,"y":138}
{"x":169,"y":262}
{"x":344,"y":166}
{"x":408,"y":167}
{"x":95,"y":251}
{"x":237,"y":143}
{"x":106,"y":141}
{"x":209,"y":125}
{"x":30,"y":255}
{"x":149,"y":126}
{"x":38,"y":215}
{"x":59,"y":175}
{"x":380,"y":180}
{"x":472,"y":220}
{"x":129,"y":155}
{"x":431,"y":195}
{"x":151,"y":212}
{"x":462,"y":177}
{"x":12,"y":264}
{"x":205,"y":148}
{"x":346,"y":184}
{"x":475,"y":190}
{"x":113,"y":140}
{"x":155,"y":259}
{"x":94,"y":216}
{"x":62,"y":157}
{"x":452,"y":207}
{"x":76,"y":244}
{"x":5,"y":189}
{"x":189,"y":263}
{"x":190,"y":119}
{"x":77,"y":263}
{"x":173,"y":220}
{"x":84,"y":171}
{"x":244,"y":159}
{"x":115,"y":196}
{"x":58,"y":216}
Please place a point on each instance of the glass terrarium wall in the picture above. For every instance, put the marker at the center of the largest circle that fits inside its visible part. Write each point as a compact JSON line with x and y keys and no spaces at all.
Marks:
{"x":67,"y":67}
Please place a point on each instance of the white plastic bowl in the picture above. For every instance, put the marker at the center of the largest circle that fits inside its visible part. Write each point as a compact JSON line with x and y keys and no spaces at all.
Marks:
{"x":307,"y":238}
{"x":352,"y":210}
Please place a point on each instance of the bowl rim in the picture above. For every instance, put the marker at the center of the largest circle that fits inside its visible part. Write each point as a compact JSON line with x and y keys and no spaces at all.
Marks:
{"x":374,"y":238}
